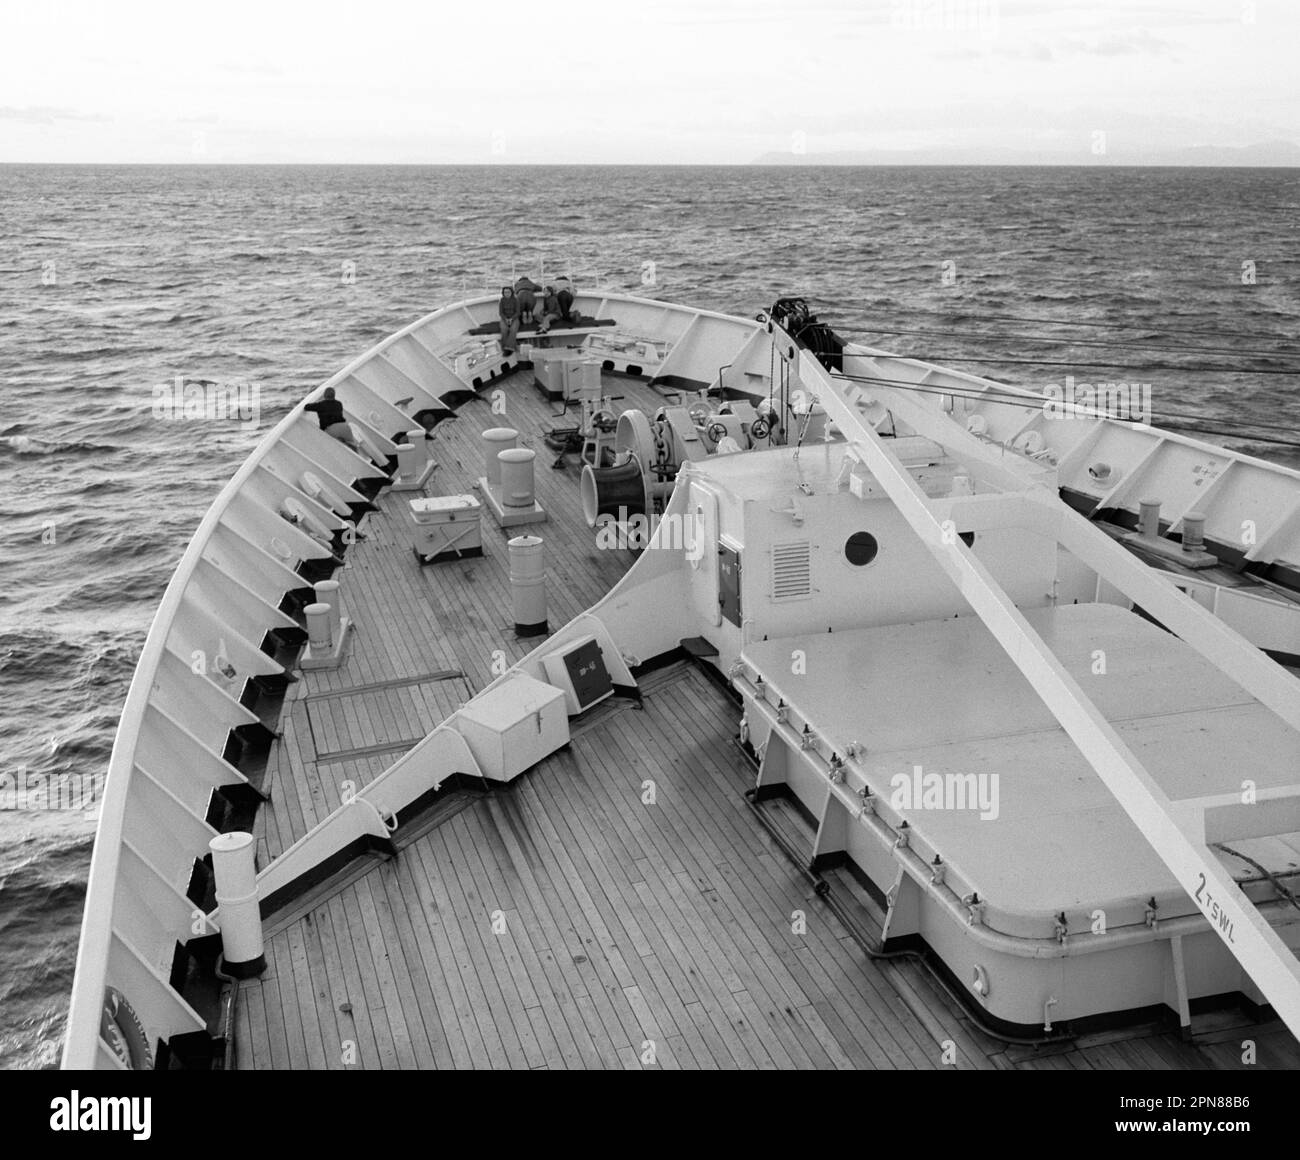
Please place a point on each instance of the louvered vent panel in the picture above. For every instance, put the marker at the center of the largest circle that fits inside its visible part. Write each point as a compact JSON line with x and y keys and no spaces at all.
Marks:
{"x":791,"y":571}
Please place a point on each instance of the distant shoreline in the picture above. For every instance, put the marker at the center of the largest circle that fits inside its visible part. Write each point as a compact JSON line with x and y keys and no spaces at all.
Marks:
{"x":822,"y":161}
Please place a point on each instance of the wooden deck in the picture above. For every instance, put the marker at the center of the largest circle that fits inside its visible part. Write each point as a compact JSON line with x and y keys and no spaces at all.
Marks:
{"x":567,"y":921}
{"x":563,"y":922}
{"x":425,"y":637}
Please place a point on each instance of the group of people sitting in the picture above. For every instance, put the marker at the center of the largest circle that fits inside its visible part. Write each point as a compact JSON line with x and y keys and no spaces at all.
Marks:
{"x":526,"y":302}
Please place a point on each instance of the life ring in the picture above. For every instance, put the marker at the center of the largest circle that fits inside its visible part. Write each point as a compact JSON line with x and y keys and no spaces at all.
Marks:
{"x":123,"y":1033}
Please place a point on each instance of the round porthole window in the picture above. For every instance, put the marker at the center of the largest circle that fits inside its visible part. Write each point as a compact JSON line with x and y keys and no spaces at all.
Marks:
{"x":860,"y":548}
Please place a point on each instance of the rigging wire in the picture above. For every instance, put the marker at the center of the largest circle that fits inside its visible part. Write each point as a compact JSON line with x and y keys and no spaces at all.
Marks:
{"x":947,"y":315}
{"x":1028,"y":362}
{"x":1002,"y":398}
{"x":1031,"y":403}
{"x":1055,"y":340}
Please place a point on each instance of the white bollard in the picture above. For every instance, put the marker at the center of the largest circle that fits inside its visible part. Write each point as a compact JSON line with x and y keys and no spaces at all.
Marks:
{"x":235,"y":870}
{"x":417,"y":440}
{"x":496,"y":440}
{"x":1194,"y":532}
{"x":516,"y":470}
{"x":408,"y":462}
{"x":318,"y":627}
{"x":1149,"y":518}
{"x":327,"y":592}
{"x":528,"y":585}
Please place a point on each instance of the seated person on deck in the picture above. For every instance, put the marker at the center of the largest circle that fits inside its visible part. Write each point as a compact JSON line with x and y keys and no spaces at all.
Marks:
{"x":508,"y":312}
{"x":332,"y":420}
{"x":548,"y":310}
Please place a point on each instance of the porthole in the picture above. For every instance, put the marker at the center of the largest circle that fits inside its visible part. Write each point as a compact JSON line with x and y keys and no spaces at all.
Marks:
{"x":860,"y":548}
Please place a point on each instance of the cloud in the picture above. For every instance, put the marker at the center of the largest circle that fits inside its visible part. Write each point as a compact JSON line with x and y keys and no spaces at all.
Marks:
{"x":1125,"y":42}
{"x":1128,"y":42}
{"x":46,"y":115}
{"x":250,"y":68}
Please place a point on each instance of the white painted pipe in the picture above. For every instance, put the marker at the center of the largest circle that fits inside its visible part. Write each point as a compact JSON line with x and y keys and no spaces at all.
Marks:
{"x":516,"y":469}
{"x":528,"y":584}
{"x":235,"y":869}
{"x":495,"y":440}
{"x":318,"y":627}
{"x":327,"y":593}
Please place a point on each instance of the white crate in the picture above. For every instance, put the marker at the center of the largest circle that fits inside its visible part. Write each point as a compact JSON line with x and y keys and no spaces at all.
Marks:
{"x":511,"y":728}
{"x":447,"y":526}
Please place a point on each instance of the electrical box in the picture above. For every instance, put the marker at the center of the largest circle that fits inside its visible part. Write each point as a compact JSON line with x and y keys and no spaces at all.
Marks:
{"x":511,"y":728}
{"x":729,"y":581}
{"x":579,"y":669}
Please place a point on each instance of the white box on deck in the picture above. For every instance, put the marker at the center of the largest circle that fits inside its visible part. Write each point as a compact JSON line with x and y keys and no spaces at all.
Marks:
{"x":446,"y":526}
{"x":563,"y":370}
{"x":443,"y":509}
{"x":514,"y":726}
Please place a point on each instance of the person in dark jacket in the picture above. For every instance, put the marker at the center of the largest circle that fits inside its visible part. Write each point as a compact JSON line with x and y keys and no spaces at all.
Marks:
{"x":564,"y":297}
{"x":526,"y":294}
{"x":508,"y":312}
{"x":329,"y":412}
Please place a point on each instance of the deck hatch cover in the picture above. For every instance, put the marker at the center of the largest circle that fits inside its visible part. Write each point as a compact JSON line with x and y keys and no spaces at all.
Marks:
{"x":791,"y":570}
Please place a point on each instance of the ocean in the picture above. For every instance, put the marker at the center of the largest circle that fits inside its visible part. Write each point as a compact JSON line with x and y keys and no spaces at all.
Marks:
{"x":116,"y":279}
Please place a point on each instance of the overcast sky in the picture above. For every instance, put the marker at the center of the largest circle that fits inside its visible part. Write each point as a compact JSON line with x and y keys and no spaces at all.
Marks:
{"x":656,"y":81}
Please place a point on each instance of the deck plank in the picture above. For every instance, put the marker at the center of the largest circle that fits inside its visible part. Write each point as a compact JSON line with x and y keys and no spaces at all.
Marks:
{"x":362,"y":989}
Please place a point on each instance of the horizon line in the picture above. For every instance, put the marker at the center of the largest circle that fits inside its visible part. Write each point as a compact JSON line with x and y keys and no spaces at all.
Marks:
{"x":919,"y":164}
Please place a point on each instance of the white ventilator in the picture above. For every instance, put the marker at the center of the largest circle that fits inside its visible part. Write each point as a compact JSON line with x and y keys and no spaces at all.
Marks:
{"x":528,"y":585}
